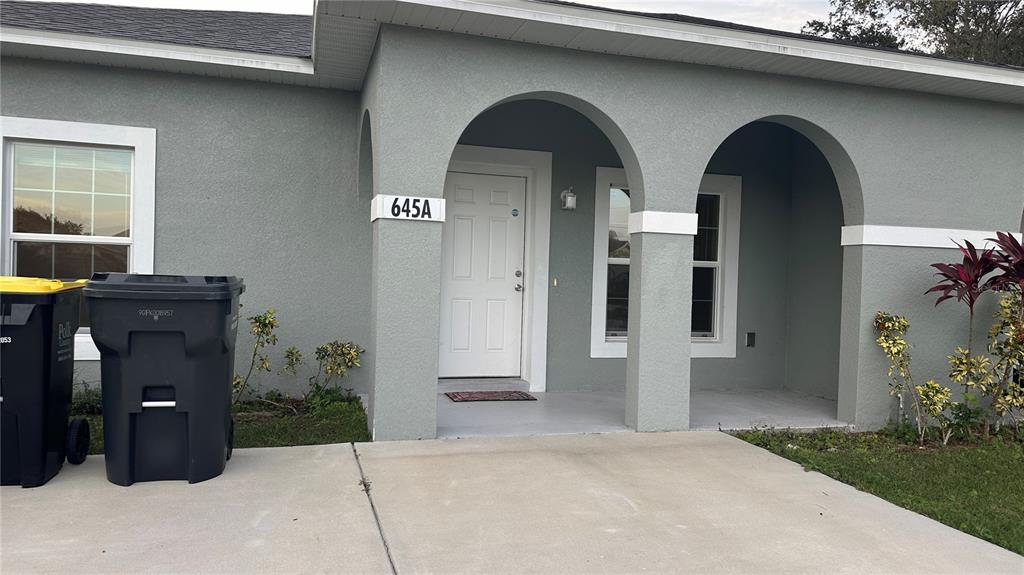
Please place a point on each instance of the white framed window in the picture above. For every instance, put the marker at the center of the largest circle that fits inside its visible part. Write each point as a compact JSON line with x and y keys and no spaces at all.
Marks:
{"x":78,"y":198}
{"x":715,"y":266}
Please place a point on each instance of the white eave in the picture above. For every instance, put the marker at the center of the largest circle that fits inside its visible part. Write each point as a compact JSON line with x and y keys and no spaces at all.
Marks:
{"x":345,"y":32}
{"x":593,"y":30}
{"x":88,"y":49}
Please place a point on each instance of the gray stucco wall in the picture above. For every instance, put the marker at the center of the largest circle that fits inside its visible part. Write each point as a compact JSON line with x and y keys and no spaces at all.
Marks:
{"x":900,"y":158}
{"x":895,"y":279}
{"x":915,"y":154}
{"x":814,"y":279}
{"x":760,"y":154}
{"x":255,"y":180}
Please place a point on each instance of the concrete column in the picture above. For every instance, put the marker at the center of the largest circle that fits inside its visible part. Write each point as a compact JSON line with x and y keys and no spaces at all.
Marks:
{"x":658,"y":349}
{"x":405,"y":301}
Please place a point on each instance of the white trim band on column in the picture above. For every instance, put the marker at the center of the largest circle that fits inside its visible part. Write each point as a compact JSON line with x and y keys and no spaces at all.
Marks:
{"x":679,"y":223}
{"x":909,"y":237}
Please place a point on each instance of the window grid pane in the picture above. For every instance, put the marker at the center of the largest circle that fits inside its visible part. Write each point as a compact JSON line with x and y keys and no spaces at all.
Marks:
{"x":66,"y":189}
{"x":705,"y":270}
{"x":705,"y":244}
{"x":705,"y":284}
{"x":618,"y":223}
{"x":617,"y":308}
{"x":617,"y":301}
{"x":68,"y":261}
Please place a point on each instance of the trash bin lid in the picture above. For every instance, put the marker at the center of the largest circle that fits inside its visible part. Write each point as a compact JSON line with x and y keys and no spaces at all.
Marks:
{"x":161,"y":286}
{"x":15,"y":284}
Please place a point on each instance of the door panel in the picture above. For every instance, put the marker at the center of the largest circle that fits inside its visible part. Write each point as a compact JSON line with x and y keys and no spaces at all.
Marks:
{"x":481,"y":309}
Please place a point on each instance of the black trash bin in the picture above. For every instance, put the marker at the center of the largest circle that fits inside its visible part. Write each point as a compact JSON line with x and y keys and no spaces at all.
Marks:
{"x":38,"y":321}
{"x":167,"y":351}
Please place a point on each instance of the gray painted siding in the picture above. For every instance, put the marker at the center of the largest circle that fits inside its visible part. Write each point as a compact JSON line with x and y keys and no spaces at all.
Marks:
{"x":256,"y":180}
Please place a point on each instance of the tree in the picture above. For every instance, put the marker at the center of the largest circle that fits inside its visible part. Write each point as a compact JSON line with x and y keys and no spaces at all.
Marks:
{"x":989,"y":31}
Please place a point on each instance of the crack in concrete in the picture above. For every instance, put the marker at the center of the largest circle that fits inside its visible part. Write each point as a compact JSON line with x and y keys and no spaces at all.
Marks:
{"x":365,"y":484}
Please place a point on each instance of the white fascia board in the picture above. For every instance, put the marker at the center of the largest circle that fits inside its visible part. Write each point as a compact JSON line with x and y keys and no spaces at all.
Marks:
{"x":710,"y":35}
{"x":159,"y":50}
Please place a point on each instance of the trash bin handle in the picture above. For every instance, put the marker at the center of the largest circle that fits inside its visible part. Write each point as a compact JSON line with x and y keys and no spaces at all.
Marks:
{"x":158,"y":403}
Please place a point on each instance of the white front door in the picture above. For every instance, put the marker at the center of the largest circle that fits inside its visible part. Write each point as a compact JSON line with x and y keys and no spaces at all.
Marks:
{"x":482,"y":276}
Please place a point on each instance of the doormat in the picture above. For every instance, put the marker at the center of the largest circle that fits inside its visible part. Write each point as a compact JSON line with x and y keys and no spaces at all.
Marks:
{"x":459,"y":396}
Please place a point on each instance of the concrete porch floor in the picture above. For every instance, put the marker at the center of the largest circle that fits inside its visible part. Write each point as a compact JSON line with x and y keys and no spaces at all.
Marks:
{"x":604,"y":412}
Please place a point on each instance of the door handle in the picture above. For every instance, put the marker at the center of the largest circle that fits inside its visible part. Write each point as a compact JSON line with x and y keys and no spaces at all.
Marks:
{"x":519,"y":287}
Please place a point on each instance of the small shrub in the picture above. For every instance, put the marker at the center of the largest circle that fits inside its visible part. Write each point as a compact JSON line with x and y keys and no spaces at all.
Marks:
{"x":936,"y":402}
{"x":321,"y":398}
{"x":87,"y":400}
{"x":968,"y":416}
{"x":334,"y":360}
{"x":274,"y":395}
{"x":892,"y":332}
{"x":1006,"y":344}
{"x":261,"y":327}
{"x":901,"y":432}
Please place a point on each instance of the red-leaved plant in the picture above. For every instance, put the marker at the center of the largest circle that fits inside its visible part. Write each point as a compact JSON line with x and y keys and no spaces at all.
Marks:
{"x":1009,"y":259}
{"x":966,"y":281}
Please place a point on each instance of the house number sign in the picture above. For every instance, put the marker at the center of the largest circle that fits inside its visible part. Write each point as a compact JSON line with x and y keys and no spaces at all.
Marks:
{"x":407,"y":208}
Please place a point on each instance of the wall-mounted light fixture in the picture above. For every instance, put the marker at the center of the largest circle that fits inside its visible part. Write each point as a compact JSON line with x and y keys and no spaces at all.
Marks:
{"x":568,"y":199}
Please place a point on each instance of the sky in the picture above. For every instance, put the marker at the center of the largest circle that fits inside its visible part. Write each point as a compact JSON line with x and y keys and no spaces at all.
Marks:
{"x":787,"y":15}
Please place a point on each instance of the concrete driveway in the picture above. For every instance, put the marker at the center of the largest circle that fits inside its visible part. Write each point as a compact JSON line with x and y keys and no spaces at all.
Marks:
{"x":617,"y":503}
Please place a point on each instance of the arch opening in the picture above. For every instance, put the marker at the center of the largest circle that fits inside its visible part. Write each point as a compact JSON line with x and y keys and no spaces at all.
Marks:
{"x":768,"y":276}
{"x":499,"y":158}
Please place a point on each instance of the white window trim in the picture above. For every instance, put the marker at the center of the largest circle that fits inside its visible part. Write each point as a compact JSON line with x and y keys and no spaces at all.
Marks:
{"x":729,"y":188}
{"x":143,"y":143}
{"x":600,"y":344}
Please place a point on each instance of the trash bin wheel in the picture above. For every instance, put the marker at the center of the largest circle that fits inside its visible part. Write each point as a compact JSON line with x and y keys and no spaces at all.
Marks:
{"x":231,"y":438}
{"x":78,"y":440}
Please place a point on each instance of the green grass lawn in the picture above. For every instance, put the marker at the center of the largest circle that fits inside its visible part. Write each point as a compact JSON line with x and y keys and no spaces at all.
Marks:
{"x":976,"y":488}
{"x":257,"y":426}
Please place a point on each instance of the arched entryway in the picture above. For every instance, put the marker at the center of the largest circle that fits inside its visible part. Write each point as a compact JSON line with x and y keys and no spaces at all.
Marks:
{"x":768,"y":278}
{"x":516,"y":271}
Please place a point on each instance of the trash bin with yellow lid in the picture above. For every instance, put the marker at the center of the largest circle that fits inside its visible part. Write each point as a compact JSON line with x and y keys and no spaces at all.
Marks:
{"x":38,"y":321}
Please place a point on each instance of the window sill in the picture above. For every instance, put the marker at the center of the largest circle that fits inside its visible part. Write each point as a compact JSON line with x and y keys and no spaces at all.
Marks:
{"x":699,"y":348}
{"x":85,"y":349}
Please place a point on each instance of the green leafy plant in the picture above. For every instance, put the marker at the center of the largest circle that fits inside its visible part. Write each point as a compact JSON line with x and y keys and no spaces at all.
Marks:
{"x":892,"y":332}
{"x":333,"y":361}
{"x":992,"y":378}
{"x":261,"y":327}
{"x":935,"y":403}
{"x":1006,"y":344}
{"x":968,"y":416}
{"x":87,"y":400}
